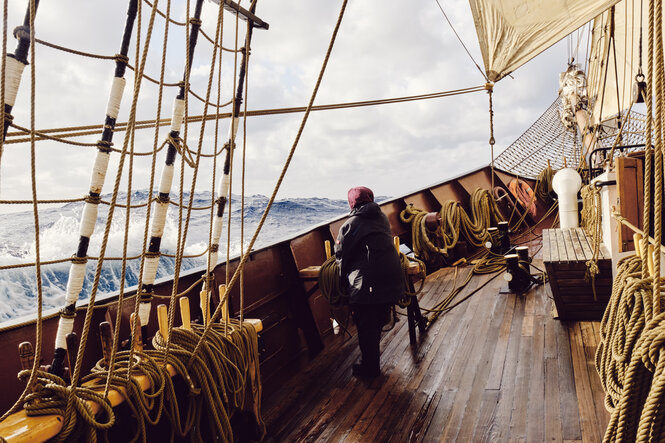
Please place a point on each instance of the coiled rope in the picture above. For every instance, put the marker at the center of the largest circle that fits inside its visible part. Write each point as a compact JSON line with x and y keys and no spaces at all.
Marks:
{"x":332,"y":290}
{"x":543,"y":187}
{"x":454,"y":222}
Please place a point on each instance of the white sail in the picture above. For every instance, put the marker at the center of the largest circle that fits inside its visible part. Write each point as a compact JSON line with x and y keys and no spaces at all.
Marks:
{"x":614,"y":62}
{"x":512,"y":32}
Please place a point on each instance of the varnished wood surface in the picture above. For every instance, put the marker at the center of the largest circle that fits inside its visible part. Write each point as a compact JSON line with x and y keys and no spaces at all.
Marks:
{"x":496,"y":368}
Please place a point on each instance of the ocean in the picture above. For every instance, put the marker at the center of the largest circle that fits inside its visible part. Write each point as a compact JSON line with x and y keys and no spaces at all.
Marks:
{"x":59,"y":234}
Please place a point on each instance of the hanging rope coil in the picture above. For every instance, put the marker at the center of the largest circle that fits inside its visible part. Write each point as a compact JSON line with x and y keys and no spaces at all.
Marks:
{"x":50,"y":395}
{"x":330,"y":282}
{"x":592,"y":223}
{"x":454,"y":221}
{"x":543,"y":187}
{"x":224,"y":371}
{"x":331,"y":288}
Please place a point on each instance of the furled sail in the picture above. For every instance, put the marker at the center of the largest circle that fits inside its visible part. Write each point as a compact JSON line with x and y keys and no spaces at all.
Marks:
{"x":512,"y":32}
{"x":614,"y":57}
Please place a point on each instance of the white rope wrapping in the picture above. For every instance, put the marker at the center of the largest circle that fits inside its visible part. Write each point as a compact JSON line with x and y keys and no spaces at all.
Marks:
{"x":217,"y":229}
{"x":88,"y":219}
{"x":99,"y":172}
{"x":159,"y":219}
{"x":75,"y":282}
{"x":65,"y":327}
{"x":166,"y":180}
{"x":224,"y":185}
{"x":212,"y":262}
{"x":233,"y":128}
{"x":13,"y":73}
{"x":178,"y":114}
{"x":150,"y":270}
{"x":144,"y":313}
{"x":115,"y":97}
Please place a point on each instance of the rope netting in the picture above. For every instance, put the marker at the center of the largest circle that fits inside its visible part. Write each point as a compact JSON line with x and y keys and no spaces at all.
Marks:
{"x":548,"y":141}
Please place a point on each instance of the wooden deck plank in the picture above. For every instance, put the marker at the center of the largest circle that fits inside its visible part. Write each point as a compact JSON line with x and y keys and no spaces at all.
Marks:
{"x":547,"y":252}
{"x":568,"y":242}
{"x":553,"y":430}
{"x":588,"y":418}
{"x":474,"y":403}
{"x":570,"y":415}
{"x":536,"y":406}
{"x":590,"y":338}
{"x":495,"y":368}
{"x":500,"y":428}
{"x":561,"y":244}
{"x":499,"y":356}
{"x":584,"y":242}
{"x":577,"y":246}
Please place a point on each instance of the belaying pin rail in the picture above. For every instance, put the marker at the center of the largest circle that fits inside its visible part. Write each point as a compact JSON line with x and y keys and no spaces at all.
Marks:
{"x":243,"y":13}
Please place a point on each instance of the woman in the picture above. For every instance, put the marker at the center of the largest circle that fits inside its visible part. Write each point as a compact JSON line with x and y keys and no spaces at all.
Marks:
{"x":370,"y":268}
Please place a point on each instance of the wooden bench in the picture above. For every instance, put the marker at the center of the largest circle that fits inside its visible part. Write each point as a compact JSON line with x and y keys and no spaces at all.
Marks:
{"x":565,"y":254}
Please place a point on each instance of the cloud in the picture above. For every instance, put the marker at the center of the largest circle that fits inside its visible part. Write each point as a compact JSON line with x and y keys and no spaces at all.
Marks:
{"x":382,"y":51}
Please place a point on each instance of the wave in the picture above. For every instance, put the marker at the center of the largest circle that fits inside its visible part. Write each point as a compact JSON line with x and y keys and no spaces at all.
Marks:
{"x":59,"y":234}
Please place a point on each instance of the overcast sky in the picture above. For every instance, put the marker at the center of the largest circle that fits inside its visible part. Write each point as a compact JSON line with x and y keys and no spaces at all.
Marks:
{"x":384,"y":49}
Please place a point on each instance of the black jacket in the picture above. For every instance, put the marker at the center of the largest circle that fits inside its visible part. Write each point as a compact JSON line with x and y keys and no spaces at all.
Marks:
{"x":369,"y":264}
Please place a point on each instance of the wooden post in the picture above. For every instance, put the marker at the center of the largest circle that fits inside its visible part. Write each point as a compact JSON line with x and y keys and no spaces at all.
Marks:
{"x":72,"y":350}
{"x":137,"y":340}
{"x":106,"y":337}
{"x":26,"y":354}
{"x":205,"y":306}
{"x":652,"y":271}
{"x":184,"y":313}
{"x":396,"y":243}
{"x":163,"y":320}
{"x":225,"y":303}
{"x":637,"y":241}
{"x":326,"y":244}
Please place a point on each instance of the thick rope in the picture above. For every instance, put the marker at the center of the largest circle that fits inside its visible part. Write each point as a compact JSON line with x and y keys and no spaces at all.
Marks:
{"x":454,"y":222}
{"x":591,"y":221}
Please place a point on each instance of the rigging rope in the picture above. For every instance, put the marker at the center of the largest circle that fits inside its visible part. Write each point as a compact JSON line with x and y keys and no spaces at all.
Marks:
{"x":79,"y":131}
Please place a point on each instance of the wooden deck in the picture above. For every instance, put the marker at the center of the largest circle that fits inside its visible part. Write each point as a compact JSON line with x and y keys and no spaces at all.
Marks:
{"x":496,"y":368}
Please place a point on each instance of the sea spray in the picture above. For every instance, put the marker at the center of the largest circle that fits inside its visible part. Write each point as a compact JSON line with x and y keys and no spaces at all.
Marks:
{"x":59,"y":237}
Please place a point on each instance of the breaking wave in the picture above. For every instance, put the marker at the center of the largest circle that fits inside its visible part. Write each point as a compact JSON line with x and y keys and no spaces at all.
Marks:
{"x":59,"y":234}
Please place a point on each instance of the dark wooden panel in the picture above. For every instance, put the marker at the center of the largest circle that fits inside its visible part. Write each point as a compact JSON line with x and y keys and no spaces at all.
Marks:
{"x":449,"y":191}
{"x":424,"y":200}
{"x":630,"y":187}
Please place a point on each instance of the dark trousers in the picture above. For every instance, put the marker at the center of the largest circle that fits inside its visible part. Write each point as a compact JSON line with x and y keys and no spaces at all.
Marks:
{"x":369,"y":320}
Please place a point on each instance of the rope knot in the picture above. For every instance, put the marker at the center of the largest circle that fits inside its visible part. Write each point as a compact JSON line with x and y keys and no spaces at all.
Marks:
{"x":22,"y":32}
{"x":178,"y":143}
{"x":146,"y":296}
{"x":68,"y":312}
{"x":163,"y":198}
{"x":121,"y":58}
{"x":104,"y":146}
{"x":93,"y":199}
{"x":195,"y":21}
{"x":79,"y":260}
